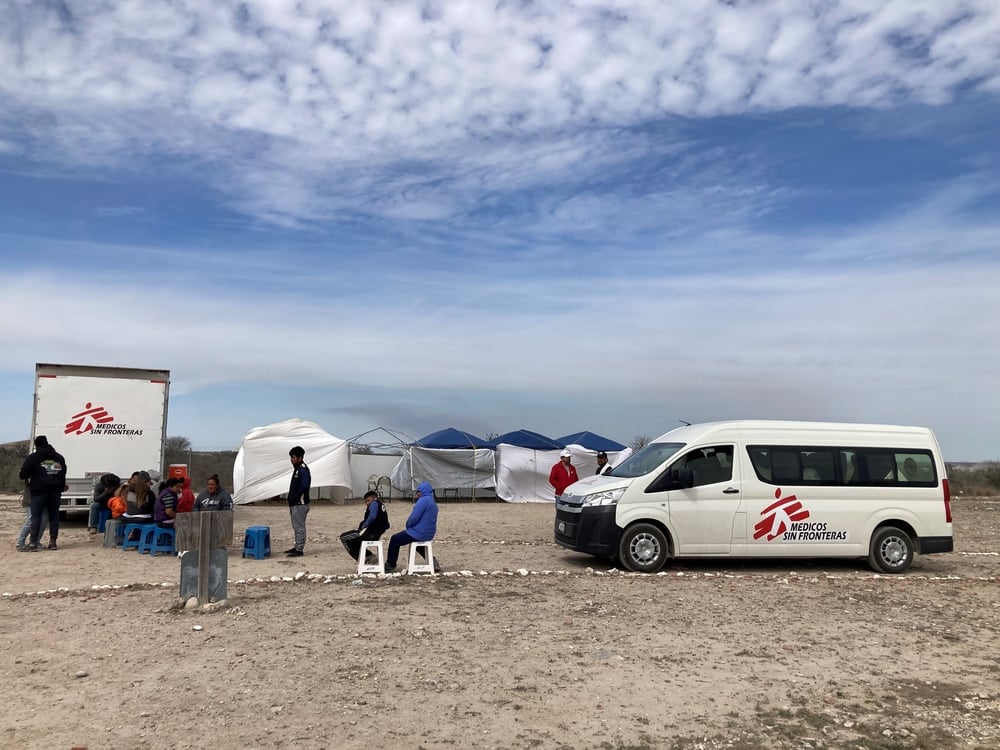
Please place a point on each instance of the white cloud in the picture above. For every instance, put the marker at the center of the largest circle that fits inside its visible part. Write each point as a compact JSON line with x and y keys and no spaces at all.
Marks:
{"x":275,"y":85}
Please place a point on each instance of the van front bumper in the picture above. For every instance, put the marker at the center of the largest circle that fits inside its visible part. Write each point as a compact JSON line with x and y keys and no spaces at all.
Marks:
{"x":592,"y":531}
{"x":932,"y":544}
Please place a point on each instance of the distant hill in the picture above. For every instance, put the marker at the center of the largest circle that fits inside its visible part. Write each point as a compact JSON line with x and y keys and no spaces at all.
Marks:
{"x":11,"y":457}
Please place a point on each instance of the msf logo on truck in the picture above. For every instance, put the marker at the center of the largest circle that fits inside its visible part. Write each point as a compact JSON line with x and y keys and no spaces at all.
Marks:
{"x":91,"y":417}
{"x":97,"y":421}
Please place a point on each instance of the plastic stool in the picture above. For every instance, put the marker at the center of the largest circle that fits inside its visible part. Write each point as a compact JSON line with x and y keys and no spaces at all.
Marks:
{"x":257,"y":542}
{"x":157,"y":539}
{"x":413,"y":566}
{"x":102,"y":520}
{"x":364,"y":567}
{"x":127,"y":541}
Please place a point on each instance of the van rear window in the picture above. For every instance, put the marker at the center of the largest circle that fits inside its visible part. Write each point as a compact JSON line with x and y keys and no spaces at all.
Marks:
{"x":851,"y":466}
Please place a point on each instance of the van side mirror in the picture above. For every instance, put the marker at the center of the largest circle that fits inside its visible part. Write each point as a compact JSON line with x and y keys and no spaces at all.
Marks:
{"x":685,"y":478}
{"x":672,"y":479}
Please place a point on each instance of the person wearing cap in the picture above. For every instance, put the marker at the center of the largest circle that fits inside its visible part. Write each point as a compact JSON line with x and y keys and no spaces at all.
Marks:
{"x":372,"y":526}
{"x":563,"y":474}
{"x":603,"y":467}
{"x":45,"y":472}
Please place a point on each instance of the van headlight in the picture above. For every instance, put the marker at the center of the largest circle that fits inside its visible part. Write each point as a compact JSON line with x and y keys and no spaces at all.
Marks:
{"x":605,"y":497}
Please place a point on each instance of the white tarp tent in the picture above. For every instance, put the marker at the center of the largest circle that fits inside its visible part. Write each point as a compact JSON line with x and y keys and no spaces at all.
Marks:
{"x":522,"y":474}
{"x":462,"y":469}
{"x":262,"y":469}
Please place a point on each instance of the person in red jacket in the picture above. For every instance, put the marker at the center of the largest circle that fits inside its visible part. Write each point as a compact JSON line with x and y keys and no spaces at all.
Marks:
{"x":563,"y":474}
{"x":185,"y":503}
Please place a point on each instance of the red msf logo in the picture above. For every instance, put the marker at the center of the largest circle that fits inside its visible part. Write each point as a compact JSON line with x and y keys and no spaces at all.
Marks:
{"x":779,"y":516}
{"x":88,"y":419}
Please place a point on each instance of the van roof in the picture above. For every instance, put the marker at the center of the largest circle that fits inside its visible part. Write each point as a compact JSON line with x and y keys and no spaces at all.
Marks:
{"x":802,"y":432}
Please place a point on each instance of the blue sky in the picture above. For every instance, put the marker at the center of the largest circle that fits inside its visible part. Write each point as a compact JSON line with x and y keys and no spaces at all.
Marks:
{"x":557,"y":216}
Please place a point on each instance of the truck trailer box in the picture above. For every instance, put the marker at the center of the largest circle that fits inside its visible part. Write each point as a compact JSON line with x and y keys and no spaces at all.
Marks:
{"x":101,"y":419}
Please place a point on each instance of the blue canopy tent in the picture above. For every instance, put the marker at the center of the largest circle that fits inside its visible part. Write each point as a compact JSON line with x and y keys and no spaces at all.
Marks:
{"x":591,"y":441}
{"x":449,"y":437}
{"x":456,"y":463}
{"x":523,"y":460}
{"x":526,"y":439}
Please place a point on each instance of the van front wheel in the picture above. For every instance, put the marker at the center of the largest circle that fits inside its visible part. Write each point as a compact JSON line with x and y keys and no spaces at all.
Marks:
{"x":643,"y":548}
{"x":891,"y":550}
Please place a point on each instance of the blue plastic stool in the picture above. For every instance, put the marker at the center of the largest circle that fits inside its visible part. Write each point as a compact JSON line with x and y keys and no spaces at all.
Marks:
{"x":102,"y":519}
{"x":127,"y":541}
{"x":257,"y":542}
{"x":157,"y":539}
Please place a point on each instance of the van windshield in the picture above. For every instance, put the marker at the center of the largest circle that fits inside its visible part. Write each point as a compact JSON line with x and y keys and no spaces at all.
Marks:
{"x":646,"y":459}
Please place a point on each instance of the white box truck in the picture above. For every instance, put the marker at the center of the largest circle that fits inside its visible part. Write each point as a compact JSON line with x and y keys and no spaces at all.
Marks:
{"x":101,"y":419}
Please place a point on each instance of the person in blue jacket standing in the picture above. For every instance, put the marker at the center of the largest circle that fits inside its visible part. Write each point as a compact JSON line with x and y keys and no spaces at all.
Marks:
{"x":420,"y":526}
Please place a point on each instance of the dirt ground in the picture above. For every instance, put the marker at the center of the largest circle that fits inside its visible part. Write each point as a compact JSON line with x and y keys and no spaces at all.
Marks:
{"x":519,"y":644}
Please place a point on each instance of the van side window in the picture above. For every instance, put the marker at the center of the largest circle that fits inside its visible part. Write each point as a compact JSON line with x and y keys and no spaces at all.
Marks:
{"x":812,"y":465}
{"x":709,"y":465}
{"x":879,"y":467}
{"x":785,"y":466}
{"x":760,"y":457}
{"x":914,"y":467}
{"x":849,"y":467}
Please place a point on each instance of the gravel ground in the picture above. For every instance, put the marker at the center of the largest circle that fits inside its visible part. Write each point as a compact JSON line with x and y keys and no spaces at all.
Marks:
{"x":520,"y":644}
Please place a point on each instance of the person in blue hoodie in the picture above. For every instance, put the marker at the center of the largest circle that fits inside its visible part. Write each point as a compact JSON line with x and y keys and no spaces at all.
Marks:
{"x":420,"y":526}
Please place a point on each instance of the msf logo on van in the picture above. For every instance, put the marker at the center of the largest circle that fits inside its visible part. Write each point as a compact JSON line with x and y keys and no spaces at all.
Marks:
{"x":779,"y":516}
{"x":91,"y":417}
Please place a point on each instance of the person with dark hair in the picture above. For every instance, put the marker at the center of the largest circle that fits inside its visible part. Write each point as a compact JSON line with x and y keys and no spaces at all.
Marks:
{"x":103,"y":491}
{"x":214,"y":497}
{"x":165,"y":508}
{"x":372,"y":526}
{"x":298,"y":499}
{"x":603,"y":467}
{"x":45,"y":472}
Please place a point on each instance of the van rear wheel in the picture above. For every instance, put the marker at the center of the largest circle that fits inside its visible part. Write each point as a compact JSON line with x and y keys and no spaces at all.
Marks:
{"x":643,"y":548}
{"x":891,"y":550}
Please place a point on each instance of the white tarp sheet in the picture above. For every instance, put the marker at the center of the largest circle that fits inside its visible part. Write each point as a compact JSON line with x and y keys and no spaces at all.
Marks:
{"x":445,"y":468}
{"x":522,"y":474}
{"x":263,"y":470}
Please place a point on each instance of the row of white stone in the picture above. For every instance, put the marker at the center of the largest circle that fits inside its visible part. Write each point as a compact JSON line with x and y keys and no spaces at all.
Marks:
{"x":522,"y":572}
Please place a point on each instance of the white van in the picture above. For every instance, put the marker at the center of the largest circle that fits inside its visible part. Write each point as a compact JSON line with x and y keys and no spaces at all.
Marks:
{"x":766,"y":489}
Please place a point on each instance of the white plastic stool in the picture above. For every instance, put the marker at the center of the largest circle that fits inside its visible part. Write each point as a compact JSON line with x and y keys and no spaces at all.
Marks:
{"x":364,"y":567}
{"x":427,"y":567}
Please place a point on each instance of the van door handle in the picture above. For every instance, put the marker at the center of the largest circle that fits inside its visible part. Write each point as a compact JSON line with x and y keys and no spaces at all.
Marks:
{"x":730,"y":491}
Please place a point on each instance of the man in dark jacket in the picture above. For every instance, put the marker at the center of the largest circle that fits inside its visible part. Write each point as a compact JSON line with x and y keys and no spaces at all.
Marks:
{"x":106,"y":487}
{"x":45,"y":472}
{"x":298,"y":499}
{"x":372,"y":526}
